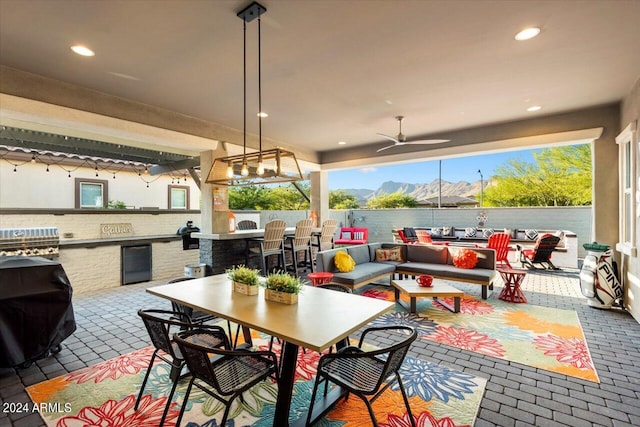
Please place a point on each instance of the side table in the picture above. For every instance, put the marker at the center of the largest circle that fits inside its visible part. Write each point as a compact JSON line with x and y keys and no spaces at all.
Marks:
{"x":320,"y":278}
{"x":512,"y":280}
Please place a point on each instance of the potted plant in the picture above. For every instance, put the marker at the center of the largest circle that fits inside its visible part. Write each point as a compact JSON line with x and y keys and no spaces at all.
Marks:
{"x":282,"y":287}
{"x":244,"y":279}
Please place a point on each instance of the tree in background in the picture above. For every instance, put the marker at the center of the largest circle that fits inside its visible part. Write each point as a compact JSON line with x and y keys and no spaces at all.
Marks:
{"x":250,"y":197}
{"x":560,"y":176}
{"x":261,"y":197}
{"x":393,"y":200}
{"x":339,"y":199}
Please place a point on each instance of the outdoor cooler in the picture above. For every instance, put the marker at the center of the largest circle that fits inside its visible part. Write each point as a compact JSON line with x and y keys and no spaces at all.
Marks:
{"x":36,"y":314}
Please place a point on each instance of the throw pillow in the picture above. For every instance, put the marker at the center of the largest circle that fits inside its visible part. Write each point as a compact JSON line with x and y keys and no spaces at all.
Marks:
{"x":344,"y":262}
{"x":393,"y":254}
{"x":437,"y":232}
{"x":447,"y":231}
{"x":470,"y":232}
{"x":531,"y":234}
{"x":487,"y":232}
{"x":346,"y":235}
{"x":465,"y":258}
{"x":358,"y":235}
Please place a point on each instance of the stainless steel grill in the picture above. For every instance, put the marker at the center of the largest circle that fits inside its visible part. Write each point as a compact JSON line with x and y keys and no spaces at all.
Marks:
{"x":37,"y":241}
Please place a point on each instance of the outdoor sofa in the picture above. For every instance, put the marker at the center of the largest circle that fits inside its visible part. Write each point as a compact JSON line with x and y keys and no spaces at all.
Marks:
{"x":415,"y":260}
{"x":565,"y":254}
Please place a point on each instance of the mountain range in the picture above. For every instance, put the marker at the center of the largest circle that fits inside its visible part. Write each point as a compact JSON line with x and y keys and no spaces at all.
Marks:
{"x":421,"y":192}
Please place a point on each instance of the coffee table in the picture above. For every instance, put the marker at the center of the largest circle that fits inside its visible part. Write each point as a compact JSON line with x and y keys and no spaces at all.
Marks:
{"x":439,"y":289}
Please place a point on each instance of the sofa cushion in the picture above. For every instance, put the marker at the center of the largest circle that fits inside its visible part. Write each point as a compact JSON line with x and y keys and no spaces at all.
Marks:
{"x":487,"y":232}
{"x":465,"y":258}
{"x":344,"y":262}
{"x":432,"y":254}
{"x":363,"y":272}
{"x":360,"y":253}
{"x":392,"y":254}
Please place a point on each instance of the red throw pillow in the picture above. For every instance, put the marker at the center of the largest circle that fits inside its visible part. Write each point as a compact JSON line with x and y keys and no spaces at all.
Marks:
{"x":465,"y":258}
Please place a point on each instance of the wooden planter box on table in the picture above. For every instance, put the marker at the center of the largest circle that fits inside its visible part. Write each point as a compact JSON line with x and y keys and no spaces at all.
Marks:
{"x":242,"y":288}
{"x":282,"y":297}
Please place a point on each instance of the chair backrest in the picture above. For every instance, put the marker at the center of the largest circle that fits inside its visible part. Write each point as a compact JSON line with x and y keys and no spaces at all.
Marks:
{"x":197,"y":356}
{"x":247,"y":224}
{"x":402,"y":338}
{"x":326,"y":234}
{"x":158,"y":324}
{"x":274,"y":235}
{"x":500,"y":243}
{"x":335,"y":287}
{"x":544,"y":247}
{"x":175,"y":306}
{"x":424,"y":236}
{"x":410,"y":234}
{"x":302,"y":236}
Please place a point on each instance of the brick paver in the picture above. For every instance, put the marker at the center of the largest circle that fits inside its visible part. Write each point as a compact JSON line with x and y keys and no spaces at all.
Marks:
{"x":516,"y":395}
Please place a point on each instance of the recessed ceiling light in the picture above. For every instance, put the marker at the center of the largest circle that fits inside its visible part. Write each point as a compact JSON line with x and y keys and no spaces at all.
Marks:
{"x":528,"y":33}
{"x":262,"y":114}
{"x":534,"y":108}
{"x":342,"y":142}
{"x":82,"y":50}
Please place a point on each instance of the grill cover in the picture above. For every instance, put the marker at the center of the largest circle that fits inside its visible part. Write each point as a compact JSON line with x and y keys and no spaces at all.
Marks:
{"x":36,"y":313}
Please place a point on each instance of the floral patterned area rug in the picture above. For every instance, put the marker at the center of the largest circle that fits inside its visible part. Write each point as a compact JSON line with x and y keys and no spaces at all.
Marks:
{"x":105,"y":395}
{"x":542,"y":337}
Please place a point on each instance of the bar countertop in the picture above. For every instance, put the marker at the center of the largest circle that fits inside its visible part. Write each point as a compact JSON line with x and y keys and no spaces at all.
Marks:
{"x":241,"y":234}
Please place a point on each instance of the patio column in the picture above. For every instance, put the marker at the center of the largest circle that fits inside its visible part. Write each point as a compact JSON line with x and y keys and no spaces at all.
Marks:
{"x":214,"y":198}
{"x":320,"y":194}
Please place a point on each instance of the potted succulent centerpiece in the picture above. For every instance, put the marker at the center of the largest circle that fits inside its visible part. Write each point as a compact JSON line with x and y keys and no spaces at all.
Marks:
{"x":244,"y":279}
{"x":282,"y":287}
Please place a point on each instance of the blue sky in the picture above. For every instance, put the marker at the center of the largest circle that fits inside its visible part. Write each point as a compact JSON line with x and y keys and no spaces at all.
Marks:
{"x":453,"y":170}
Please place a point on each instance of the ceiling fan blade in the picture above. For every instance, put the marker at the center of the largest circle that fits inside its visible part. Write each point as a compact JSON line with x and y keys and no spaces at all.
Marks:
{"x":428,"y":141}
{"x":390,"y":138}
{"x":386,"y":148}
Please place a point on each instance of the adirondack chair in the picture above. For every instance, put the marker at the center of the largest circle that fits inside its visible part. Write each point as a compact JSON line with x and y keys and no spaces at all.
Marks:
{"x":500,"y":243}
{"x":424,"y":236}
{"x":541,"y":252}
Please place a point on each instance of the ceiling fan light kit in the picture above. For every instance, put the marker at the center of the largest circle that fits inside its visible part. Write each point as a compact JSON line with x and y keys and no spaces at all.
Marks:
{"x":262,"y":167}
{"x":401,"y":139}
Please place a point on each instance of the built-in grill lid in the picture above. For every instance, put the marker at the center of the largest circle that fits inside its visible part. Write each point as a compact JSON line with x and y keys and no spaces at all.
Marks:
{"x":35,"y":241}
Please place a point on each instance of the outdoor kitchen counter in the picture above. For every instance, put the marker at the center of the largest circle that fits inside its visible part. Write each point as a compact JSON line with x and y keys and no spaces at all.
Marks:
{"x":221,"y":251}
{"x":92,"y":243}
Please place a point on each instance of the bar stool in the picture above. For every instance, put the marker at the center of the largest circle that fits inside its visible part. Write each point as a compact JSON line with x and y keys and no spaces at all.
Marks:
{"x":271,"y":244}
{"x":512,"y":280}
{"x":300,"y":242}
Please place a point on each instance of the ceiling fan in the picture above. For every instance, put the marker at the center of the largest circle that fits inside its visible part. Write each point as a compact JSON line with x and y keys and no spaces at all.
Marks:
{"x":401,"y":139}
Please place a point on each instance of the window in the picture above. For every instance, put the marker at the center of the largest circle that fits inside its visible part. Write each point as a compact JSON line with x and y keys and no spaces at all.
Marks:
{"x":627,"y":152}
{"x":91,"y":193}
{"x":178,"y":197}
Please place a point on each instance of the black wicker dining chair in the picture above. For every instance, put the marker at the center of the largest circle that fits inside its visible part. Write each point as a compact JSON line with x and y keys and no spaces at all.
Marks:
{"x":364,"y":373}
{"x":223,"y":374}
{"x":159,"y":324}
{"x":196,"y":317}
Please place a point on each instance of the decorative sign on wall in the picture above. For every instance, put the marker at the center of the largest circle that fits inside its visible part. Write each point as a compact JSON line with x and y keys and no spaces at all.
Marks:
{"x":123,"y":229}
{"x":220,"y":198}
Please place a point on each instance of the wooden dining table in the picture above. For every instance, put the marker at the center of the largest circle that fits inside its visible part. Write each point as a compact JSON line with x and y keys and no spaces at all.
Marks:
{"x":320,"y":319}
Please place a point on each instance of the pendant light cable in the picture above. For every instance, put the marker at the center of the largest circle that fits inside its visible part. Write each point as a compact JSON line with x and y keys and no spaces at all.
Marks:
{"x":260,"y":170}
{"x":245,"y":170}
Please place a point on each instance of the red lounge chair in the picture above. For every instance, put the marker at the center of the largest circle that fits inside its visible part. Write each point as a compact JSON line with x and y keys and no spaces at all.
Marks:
{"x":541,"y":253}
{"x":500,"y":243}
